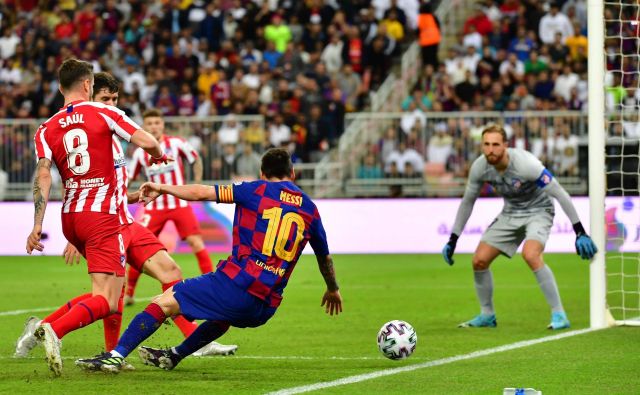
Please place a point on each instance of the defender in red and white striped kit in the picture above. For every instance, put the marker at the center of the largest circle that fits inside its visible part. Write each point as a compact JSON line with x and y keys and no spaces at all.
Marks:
{"x":168,"y":208}
{"x":78,"y":139}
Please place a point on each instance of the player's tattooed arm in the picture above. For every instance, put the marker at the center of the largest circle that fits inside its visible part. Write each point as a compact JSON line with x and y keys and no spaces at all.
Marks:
{"x":331,"y":300}
{"x":197,"y":168}
{"x":325,"y":264}
{"x":41,"y":189}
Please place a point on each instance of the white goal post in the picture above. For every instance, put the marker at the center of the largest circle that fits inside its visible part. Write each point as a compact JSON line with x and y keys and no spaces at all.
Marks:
{"x":597,"y":187}
{"x":614,"y":159}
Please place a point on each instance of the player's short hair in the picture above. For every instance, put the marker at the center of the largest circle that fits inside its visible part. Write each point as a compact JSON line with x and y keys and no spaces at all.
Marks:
{"x":103,"y":80}
{"x":276,"y":163}
{"x":495,"y":128}
{"x":152,"y":113}
{"x":73,"y":71}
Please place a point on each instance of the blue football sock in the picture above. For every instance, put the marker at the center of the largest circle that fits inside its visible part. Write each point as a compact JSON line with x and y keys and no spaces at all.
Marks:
{"x":206,"y":332}
{"x":141,"y":327}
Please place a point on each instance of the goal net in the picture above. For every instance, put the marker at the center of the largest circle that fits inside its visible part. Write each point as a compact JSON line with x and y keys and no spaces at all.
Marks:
{"x":621,"y":95}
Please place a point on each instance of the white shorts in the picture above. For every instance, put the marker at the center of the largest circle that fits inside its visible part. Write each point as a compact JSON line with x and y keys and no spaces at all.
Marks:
{"x":506,"y":232}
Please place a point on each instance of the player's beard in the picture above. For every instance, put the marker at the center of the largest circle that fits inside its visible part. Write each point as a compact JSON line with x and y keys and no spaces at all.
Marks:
{"x":493,"y":159}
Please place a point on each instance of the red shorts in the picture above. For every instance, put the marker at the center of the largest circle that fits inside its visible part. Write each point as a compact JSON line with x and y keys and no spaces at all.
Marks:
{"x":99,"y":239}
{"x":183,"y":217}
{"x":140,"y":245}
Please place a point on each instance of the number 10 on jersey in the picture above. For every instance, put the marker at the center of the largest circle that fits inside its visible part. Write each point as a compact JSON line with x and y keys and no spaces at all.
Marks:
{"x":278,"y":230}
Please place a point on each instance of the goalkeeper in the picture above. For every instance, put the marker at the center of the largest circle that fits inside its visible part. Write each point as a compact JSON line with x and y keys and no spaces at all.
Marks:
{"x":527,"y":187}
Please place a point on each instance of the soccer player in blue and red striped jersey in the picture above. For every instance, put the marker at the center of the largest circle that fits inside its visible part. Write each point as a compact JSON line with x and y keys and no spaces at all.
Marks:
{"x":273,"y":222}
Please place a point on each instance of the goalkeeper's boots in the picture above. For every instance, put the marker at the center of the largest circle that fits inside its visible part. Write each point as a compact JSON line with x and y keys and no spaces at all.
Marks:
{"x":104,"y":362}
{"x":481,"y":321}
{"x":27,"y":341}
{"x":215,"y":348}
{"x":52,"y":346}
{"x":559,"y":320}
{"x":163,"y":359}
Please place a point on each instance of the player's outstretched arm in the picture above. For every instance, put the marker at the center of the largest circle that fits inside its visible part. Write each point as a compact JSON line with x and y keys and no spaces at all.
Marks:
{"x":41,"y":189}
{"x":331,"y":300}
{"x":149,"y":191}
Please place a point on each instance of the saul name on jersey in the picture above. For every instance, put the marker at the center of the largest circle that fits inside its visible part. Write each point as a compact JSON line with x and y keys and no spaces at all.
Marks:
{"x":71,"y":119}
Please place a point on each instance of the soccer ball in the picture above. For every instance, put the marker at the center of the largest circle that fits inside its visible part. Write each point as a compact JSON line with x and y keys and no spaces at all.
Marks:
{"x":397,"y":339}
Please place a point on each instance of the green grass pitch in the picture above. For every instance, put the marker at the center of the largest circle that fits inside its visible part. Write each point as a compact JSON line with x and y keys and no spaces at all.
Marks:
{"x":301,"y":345}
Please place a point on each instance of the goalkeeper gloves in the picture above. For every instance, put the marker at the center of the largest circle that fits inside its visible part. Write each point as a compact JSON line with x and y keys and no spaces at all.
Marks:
{"x":585,"y":247}
{"x":449,"y":248}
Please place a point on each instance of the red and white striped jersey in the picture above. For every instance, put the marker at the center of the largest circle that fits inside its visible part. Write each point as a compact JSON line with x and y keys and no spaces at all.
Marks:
{"x":164,"y":173}
{"x":122,"y":182}
{"x":78,"y":139}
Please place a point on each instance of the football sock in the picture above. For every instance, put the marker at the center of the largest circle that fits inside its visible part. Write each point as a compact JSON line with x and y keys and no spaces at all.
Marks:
{"x":185,"y":326}
{"x":207,"y":332}
{"x":141,"y":327}
{"x":64,"y":309}
{"x":132,"y":280}
{"x":82,"y":314}
{"x":549,"y":288}
{"x":112,"y":325}
{"x":484,"y":289}
{"x":204,"y":261}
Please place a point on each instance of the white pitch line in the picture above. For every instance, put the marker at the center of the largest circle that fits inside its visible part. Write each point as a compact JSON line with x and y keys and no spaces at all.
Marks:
{"x":437,"y":362}
{"x":41,"y":309}
{"x":260,"y":357}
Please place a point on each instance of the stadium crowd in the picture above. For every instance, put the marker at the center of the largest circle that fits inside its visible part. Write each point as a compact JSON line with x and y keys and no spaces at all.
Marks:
{"x":516,"y":56}
{"x":301,"y":64}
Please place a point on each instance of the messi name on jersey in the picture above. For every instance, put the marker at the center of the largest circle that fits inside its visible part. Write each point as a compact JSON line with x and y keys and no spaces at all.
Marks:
{"x":291,"y":198}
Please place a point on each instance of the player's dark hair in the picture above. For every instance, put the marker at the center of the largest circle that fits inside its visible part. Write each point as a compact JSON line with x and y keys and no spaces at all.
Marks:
{"x":276,"y":163}
{"x":495,"y":128}
{"x":106,"y":81}
{"x":73,"y":71}
{"x":152,"y":113}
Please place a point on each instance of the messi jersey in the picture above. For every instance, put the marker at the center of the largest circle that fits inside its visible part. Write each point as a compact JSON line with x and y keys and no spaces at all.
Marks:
{"x":272,"y":224}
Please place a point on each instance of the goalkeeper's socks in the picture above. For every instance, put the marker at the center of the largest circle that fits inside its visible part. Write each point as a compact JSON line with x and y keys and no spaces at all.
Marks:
{"x":82,"y":314}
{"x":112,"y":325}
{"x":207,"y":332}
{"x":141,"y":327}
{"x":64,"y":309}
{"x":483,"y":280}
{"x":186,"y":327}
{"x":549,"y":288}
{"x":204,"y":261}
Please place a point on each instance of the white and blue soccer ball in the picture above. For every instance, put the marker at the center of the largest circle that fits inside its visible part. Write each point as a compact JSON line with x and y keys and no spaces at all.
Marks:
{"x":397,"y":339}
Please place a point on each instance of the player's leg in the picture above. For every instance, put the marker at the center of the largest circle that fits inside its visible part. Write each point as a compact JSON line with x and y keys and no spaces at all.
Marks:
{"x":154,"y":221}
{"x":189,"y":230}
{"x":141,"y":327}
{"x":132,"y":281}
{"x":538,"y":230}
{"x":112,"y":324}
{"x":501,"y":237}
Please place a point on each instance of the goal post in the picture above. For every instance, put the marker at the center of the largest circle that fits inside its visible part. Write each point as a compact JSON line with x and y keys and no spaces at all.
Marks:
{"x":596,"y":149}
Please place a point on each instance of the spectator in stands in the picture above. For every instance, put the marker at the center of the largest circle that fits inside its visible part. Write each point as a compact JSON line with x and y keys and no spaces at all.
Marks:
{"x":278,"y":33}
{"x":553,"y":23}
{"x":279,"y":132}
{"x":522,"y":45}
{"x":565,"y":82}
{"x":430,"y":35}
{"x":534,"y":65}
{"x":332,"y":54}
{"x":480,"y":21}
{"x":229,"y":133}
{"x":350,"y":84}
{"x":411,"y":117}
{"x":566,"y":151}
{"x":577,"y":44}
{"x":317,"y":142}
{"x":369,"y":168}
{"x":558,"y":52}
{"x":247,"y":164}
{"x":440,"y":145}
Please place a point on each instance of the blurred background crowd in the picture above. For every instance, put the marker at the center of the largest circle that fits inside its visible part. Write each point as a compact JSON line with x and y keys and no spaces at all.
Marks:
{"x":303,"y":65}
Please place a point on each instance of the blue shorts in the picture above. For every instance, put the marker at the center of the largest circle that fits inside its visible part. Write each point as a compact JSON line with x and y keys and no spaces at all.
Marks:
{"x":214,"y":297}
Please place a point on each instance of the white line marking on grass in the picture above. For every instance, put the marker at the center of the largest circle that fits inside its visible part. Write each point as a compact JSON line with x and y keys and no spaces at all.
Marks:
{"x":41,"y":309}
{"x":437,"y":362}
{"x":231,"y":357}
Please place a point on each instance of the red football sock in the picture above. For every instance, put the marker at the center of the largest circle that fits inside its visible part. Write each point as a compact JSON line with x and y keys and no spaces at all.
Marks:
{"x":64,"y":309}
{"x":82,"y":314}
{"x":185,"y":326}
{"x":132,"y":280}
{"x":112,"y":325}
{"x":204,"y":261}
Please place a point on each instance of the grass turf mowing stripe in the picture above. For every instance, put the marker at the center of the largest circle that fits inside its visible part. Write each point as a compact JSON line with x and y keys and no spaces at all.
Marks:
{"x":437,"y":362}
